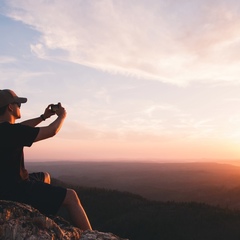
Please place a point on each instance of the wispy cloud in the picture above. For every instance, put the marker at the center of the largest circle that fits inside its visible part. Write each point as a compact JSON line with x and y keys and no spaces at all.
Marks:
{"x":6,"y":60}
{"x":17,"y":75}
{"x":174,"y":41}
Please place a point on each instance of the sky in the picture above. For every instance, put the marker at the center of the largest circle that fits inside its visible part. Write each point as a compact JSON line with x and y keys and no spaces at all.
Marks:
{"x":151,"y":80}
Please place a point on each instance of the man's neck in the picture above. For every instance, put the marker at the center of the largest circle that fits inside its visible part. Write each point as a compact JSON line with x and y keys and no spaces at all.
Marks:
{"x":7,"y":118}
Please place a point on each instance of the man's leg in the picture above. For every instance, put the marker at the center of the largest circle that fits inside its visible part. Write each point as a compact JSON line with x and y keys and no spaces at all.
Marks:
{"x":76,"y":210}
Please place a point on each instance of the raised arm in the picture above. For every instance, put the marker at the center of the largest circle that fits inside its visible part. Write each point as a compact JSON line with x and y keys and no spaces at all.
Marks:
{"x":54,"y":127}
{"x":35,"y":121}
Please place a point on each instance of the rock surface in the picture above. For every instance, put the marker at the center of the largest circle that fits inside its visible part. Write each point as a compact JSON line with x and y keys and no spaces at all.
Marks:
{"x":20,"y":221}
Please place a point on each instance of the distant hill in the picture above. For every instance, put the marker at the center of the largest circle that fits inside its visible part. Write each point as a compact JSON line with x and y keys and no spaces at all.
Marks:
{"x":211,"y":183}
{"x":131,"y":216}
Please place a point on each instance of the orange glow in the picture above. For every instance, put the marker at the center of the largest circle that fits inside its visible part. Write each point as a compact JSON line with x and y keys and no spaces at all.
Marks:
{"x":63,"y":149}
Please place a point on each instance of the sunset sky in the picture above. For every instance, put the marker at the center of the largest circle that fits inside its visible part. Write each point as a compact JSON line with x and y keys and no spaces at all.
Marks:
{"x":140,"y":79}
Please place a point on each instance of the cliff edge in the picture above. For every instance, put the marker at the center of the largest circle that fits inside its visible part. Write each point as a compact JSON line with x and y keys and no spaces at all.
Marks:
{"x":20,"y":221}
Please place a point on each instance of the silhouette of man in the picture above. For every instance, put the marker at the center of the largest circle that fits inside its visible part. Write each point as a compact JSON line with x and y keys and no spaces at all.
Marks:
{"x":16,"y":184}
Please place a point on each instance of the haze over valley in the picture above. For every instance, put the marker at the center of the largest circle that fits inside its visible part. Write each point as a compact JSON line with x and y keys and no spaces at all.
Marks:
{"x":211,"y":183}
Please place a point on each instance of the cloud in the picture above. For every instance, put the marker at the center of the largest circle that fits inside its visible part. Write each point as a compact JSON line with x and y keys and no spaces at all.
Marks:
{"x":6,"y":59}
{"x":175,"y":41}
{"x":18,"y":76}
{"x":38,"y":49}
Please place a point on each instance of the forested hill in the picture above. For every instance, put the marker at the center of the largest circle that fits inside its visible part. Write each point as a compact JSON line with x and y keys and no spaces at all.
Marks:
{"x":212,"y":183}
{"x":136,"y":218}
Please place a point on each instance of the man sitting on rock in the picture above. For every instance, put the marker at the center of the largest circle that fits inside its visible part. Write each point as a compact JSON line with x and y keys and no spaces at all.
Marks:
{"x":15,"y":182}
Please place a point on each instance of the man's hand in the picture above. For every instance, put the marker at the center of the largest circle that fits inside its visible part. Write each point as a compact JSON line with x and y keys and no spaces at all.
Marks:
{"x":48,"y":112}
{"x":54,"y":127}
{"x":61,"y":112}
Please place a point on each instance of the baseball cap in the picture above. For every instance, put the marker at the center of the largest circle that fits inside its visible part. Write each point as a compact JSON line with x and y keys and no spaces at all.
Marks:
{"x":8,"y":96}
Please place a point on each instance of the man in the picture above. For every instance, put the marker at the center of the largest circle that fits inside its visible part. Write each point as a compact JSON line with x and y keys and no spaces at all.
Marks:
{"x":15,"y":182}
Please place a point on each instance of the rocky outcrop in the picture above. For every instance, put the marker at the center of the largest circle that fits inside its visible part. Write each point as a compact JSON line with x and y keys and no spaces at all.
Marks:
{"x":20,"y":221}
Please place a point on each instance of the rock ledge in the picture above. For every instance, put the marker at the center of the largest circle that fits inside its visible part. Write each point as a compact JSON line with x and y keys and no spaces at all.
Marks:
{"x":20,"y":221}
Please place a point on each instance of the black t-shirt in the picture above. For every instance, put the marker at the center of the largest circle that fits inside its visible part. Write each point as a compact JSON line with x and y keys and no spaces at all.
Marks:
{"x":13,"y":138}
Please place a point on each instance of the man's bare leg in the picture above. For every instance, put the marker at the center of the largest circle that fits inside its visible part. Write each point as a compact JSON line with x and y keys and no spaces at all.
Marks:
{"x":76,"y":210}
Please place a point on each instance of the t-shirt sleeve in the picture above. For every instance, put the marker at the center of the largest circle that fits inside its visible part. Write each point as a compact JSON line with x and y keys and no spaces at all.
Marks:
{"x":22,"y":135}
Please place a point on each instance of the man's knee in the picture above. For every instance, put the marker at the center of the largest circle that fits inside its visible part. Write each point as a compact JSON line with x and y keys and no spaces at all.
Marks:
{"x":47,"y":178}
{"x":71,"y":197}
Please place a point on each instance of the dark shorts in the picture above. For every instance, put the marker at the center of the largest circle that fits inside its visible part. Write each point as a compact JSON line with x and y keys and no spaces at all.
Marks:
{"x":45,"y":197}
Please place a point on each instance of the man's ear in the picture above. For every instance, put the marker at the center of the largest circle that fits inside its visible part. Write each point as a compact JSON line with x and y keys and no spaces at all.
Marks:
{"x":10,"y":107}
